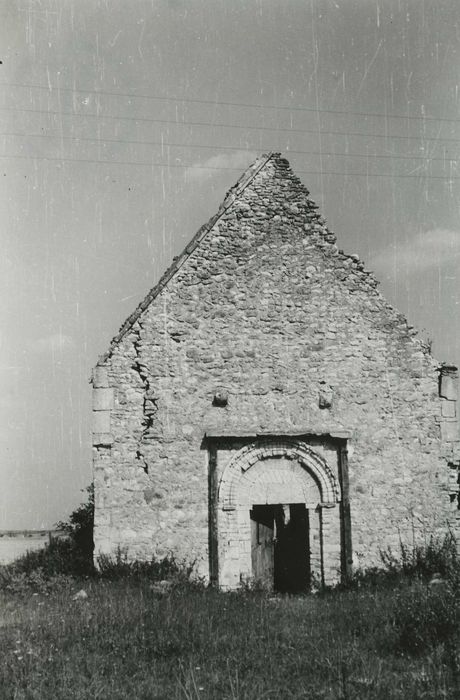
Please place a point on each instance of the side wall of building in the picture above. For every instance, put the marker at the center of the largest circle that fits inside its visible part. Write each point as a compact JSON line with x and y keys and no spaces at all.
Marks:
{"x":267,"y":311}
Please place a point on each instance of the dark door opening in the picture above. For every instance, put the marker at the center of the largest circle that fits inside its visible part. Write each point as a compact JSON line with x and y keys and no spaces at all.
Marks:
{"x":280,"y":548}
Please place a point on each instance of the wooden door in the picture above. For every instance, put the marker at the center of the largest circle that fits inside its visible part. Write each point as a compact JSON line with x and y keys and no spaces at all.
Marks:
{"x":262,"y":554}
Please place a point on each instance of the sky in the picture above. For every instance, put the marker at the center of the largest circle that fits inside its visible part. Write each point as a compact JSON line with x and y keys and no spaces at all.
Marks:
{"x":123,"y":124}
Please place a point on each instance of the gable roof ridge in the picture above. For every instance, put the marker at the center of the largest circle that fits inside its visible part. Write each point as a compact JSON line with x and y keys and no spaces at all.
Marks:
{"x":230,"y":198}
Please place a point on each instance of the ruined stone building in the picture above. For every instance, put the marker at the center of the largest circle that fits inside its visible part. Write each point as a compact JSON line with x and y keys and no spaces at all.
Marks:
{"x":264,"y":412}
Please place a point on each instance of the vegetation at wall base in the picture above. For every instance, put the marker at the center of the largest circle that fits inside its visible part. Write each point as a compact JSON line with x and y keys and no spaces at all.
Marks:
{"x":419,"y":562}
{"x":79,"y":529}
{"x":152,"y":631}
{"x":129,"y":639}
{"x":64,"y":561}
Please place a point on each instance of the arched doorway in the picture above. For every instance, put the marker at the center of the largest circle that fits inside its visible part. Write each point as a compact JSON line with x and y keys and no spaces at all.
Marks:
{"x":280,"y":547}
{"x":278,"y":518}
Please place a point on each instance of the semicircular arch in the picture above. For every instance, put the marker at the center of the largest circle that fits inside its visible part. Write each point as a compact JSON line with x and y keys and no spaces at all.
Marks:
{"x":234,"y":474}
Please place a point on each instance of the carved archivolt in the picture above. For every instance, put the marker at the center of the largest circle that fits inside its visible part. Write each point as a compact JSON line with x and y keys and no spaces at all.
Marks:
{"x":236,"y":473}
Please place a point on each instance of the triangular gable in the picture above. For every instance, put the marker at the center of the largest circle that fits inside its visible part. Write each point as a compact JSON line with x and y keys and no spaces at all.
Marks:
{"x":230,"y":198}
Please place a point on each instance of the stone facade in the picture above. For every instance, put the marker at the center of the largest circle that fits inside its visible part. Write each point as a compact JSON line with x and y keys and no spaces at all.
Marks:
{"x":265,"y":388}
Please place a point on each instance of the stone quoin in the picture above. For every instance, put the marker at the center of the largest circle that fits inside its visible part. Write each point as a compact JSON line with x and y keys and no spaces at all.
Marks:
{"x":265,"y":413}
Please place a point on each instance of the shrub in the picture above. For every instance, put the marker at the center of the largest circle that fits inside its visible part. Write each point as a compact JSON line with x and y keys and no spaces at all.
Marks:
{"x":80,"y":526}
{"x":417,"y":563}
{"x":62,"y":558}
{"x":423,"y":560}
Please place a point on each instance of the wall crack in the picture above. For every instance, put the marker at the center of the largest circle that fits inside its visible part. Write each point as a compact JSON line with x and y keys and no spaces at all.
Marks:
{"x":150,"y":403}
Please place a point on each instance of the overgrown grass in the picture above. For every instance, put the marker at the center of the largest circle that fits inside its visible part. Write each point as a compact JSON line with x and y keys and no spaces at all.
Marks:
{"x":131,"y":638}
{"x":119,"y":566}
{"x":127,"y":641}
{"x":416,"y":563}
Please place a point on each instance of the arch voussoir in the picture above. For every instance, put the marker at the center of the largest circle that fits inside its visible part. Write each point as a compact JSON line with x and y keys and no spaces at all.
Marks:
{"x":304,"y":455}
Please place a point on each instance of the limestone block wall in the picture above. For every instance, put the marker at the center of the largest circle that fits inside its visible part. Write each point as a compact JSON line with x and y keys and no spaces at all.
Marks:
{"x":265,"y":310}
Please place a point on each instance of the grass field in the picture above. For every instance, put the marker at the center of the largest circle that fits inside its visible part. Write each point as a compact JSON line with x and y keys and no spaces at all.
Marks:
{"x":126,"y":640}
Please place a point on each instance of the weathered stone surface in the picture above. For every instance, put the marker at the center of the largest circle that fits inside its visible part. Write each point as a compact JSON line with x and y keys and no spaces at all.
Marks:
{"x":100,"y":377}
{"x":102,"y":399}
{"x":449,"y":409}
{"x":449,"y":431}
{"x":266,"y":308}
{"x":448,"y":382}
{"x":101,"y":422}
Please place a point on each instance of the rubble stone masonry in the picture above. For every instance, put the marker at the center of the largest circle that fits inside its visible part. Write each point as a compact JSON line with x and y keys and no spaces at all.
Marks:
{"x":262,"y":333}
